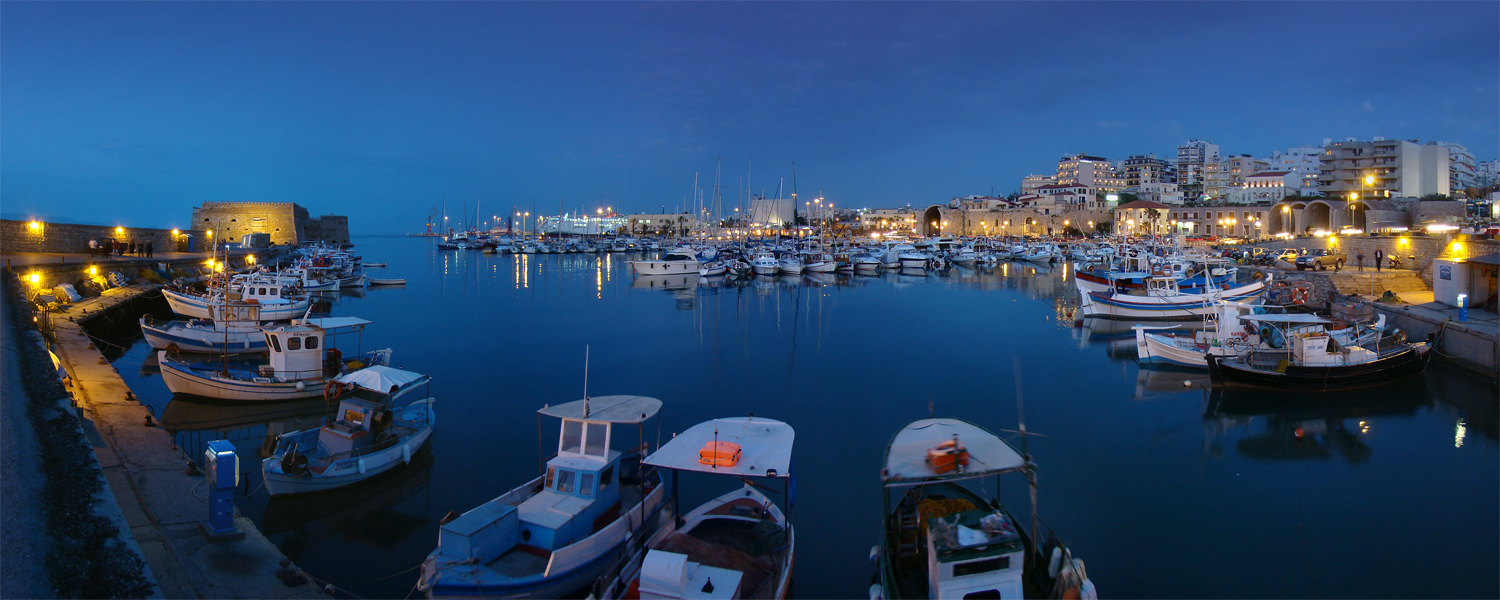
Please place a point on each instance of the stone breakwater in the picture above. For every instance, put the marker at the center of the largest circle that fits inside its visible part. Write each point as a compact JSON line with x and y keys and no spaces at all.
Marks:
{"x":20,"y":236}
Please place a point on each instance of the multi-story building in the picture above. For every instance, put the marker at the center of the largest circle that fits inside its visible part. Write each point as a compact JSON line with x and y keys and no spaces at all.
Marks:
{"x":1142,"y":217}
{"x":1093,"y":172}
{"x":1148,"y":168}
{"x":888,"y":219}
{"x":1302,"y":161}
{"x":1460,"y":167}
{"x":1031,"y":182}
{"x":1056,"y":198}
{"x":1159,"y":192}
{"x":1221,"y":220}
{"x":1487,"y":173}
{"x":1383,"y":168}
{"x":1266,"y":187}
{"x":1227,"y":174}
{"x":1192,"y":158}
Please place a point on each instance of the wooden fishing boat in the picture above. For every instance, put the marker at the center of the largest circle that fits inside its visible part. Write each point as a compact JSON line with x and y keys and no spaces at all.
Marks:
{"x":380,"y":281}
{"x":1314,"y":360}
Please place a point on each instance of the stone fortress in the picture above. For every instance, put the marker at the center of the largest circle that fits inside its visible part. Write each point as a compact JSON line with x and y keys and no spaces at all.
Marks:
{"x":285,"y":222}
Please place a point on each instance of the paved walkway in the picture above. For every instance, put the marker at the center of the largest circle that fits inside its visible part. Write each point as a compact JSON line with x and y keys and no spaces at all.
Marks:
{"x":147,"y":473}
{"x":28,"y":259}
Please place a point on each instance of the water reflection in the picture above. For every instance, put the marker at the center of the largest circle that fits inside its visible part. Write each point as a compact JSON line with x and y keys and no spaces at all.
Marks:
{"x":368,"y":513}
{"x":1285,"y":426}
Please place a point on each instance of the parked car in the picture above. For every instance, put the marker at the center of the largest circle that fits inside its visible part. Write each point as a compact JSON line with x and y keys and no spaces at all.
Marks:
{"x":1285,"y":255}
{"x":1320,"y":259}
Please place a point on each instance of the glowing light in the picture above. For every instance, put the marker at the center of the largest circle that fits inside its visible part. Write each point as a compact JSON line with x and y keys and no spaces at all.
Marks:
{"x":1459,"y":433}
{"x":93,"y":270}
{"x":36,"y":277}
{"x":1441,"y":227}
{"x":1369,"y":180}
{"x":209,"y":233}
{"x":250,"y":258}
{"x":174,"y":233}
{"x":1402,"y":241}
{"x":119,"y":230}
{"x":35,"y":226}
{"x":1457,"y":247}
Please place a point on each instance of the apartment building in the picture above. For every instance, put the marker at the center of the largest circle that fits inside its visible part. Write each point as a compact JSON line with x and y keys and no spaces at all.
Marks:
{"x":1147,"y":168}
{"x":1093,"y":172}
{"x":1383,"y":168}
{"x":1030,"y":183}
{"x":1266,"y":187}
{"x":1192,"y":158}
{"x":1227,"y":174}
{"x":1159,"y":192}
{"x":1460,"y":167}
{"x":1487,"y":173}
{"x":1301,"y":160}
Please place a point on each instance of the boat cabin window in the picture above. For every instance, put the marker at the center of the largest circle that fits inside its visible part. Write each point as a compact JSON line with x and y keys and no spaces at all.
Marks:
{"x":353,"y":417}
{"x":294,"y":343}
{"x":564,"y":481}
{"x":548,"y":482}
{"x":274,"y":291}
{"x":572,"y":437}
{"x":586,"y":485}
{"x":275,"y":343}
{"x":312,"y":343}
{"x":597,"y":442}
{"x":606,"y":477}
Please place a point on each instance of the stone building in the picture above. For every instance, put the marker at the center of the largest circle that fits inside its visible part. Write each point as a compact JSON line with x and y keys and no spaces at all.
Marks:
{"x":285,"y":222}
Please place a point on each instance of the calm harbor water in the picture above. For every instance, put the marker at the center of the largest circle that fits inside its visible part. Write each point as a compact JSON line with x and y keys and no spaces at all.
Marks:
{"x":1163,"y":490}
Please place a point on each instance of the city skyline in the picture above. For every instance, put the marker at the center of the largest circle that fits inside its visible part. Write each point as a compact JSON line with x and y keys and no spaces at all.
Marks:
{"x":381,"y":111}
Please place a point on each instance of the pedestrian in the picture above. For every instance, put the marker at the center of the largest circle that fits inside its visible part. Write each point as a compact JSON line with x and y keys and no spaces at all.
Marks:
{"x":119,"y":249}
{"x":1360,"y":255}
{"x":150,"y":248}
{"x":93,"y":246}
{"x":1379,"y":256}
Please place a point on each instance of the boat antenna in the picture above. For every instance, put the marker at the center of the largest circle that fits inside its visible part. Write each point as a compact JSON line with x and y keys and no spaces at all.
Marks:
{"x":1025,"y":453}
{"x":585,"y":380}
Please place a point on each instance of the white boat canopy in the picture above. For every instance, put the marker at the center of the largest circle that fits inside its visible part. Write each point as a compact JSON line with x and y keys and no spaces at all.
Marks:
{"x":332,"y":323}
{"x":383,"y":379}
{"x":606,"y":409}
{"x":906,"y":459}
{"x":765,"y":448}
{"x":1292,"y":318}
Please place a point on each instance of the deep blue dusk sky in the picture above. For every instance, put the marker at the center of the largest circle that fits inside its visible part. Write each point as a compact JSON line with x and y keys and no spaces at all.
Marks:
{"x":134,"y":113}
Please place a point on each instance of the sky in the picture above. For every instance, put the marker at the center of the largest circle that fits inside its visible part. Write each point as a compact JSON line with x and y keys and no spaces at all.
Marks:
{"x":134,"y":113}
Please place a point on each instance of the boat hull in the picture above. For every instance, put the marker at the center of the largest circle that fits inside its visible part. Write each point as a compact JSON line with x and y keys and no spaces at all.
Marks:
{"x":183,"y":380}
{"x":1169,"y":308}
{"x":664,"y":267}
{"x":163,"y":337}
{"x":1408,"y":361}
{"x":197,"y":307}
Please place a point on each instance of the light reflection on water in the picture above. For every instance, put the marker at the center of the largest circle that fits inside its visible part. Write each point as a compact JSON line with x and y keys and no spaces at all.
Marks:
{"x":1164,"y":489}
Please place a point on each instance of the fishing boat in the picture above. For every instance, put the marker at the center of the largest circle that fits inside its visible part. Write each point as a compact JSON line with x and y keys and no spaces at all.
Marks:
{"x":674,"y":263}
{"x":274,"y":302}
{"x":738,"y":545}
{"x":379,"y":281}
{"x":560,"y":533}
{"x":1161,"y":299}
{"x":203,"y":336}
{"x":1303,"y":356}
{"x":299,"y":365}
{"x":369,"y":434}
{"x":717,"y":267}
{"x":1226,"y":335}
{"x":944,"y":536}
{"x":375,"y":265}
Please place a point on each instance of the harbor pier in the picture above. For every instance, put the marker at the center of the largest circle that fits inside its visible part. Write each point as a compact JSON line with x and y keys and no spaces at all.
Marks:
{"x":158,"y":489}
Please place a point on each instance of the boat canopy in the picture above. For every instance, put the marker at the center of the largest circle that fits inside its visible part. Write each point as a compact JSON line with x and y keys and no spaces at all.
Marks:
{"x":606,"y":409}
{"x":906,"y":459}
{"x":332,"y":323}
{"x":383,"y":379}
{"x":765,"y":447}
{"x":1291,"y":318}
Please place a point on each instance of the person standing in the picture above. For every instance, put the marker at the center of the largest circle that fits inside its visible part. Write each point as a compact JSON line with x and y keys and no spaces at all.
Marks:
{"x":1360,"y":256}
{"x":1379,"y":256}
{"x":150,"y":248}
{"x":93,"y":247}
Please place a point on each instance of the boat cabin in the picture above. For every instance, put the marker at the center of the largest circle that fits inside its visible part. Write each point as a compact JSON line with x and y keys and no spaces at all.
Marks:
{"x":258,"y":290}
{"x":355,"y":426}
{"x":299,"y":351}
{"x":974,"y":551}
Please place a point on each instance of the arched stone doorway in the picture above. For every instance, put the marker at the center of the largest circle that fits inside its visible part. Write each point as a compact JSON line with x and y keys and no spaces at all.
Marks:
{"x":1358,"y":215}
{"x":932,"y":221}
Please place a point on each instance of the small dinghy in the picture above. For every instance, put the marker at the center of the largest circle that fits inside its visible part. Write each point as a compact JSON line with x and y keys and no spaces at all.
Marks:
{"x":378,"y":281}
{"x":374,"y":264}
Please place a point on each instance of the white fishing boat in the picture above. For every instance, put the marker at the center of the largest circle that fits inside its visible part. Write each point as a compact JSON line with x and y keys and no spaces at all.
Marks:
{"x":1228,"y":336}
{"x":1161,"y":299}
{"x":369,"y":434}
{"x":273,"y":301}
{"x":790,"y":264}
{"x":375,"y":265}
{"x":558,"y":534}
{"x":379,"y":281}
{"x":738,"y":545}
{"x":299,"y":365}
{"x":818,"y":263}
{"x":674,"y":263}
{"x":717,"y":267}
{"x":944,"y":535}
{"x":865,"y":263}
{"x":203,"y":336}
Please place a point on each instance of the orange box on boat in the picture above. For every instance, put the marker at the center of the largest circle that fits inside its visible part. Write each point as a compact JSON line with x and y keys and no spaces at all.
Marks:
{"x":947,"y":456}
{"x":721,"y":454}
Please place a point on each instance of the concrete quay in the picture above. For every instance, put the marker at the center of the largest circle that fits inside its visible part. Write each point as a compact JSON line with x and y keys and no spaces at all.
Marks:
{"x":149,"y":478}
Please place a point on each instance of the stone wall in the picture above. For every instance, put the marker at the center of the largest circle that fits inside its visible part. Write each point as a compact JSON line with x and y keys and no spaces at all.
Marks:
{"x":284,"y":221}
{"x":19,"y":236}
{"x":327,"y":228}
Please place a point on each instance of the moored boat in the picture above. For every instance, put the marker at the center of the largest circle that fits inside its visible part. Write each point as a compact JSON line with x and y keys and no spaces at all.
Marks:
{"x":299,"y":365}
{"x":367,"y":436}
{"x":1314,"y":360}
{"x":944,"y":536}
